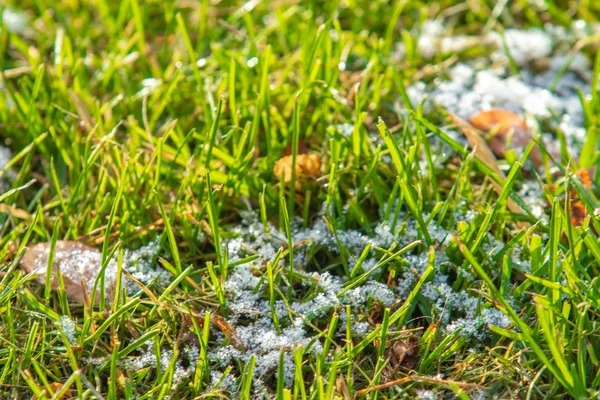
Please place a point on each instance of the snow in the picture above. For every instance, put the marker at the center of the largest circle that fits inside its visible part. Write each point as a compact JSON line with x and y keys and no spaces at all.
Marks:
{"x":69,"y":329}
{"x":9,"y":175}
{"x":523,"y":46}
{"x":484,"y":83}
{"x":15,"y":21}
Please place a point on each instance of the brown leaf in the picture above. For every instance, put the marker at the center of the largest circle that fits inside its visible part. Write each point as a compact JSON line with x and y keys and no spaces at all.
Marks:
{"x":228,"y":330}
{"x":307,"y":166}
{"x":507,"y":131}
{"x":342,"y":388}
{"x":55,"y":387}
{"x":403,"y":354}
{"x":79,"y":265}
{"x":485,"y":155}
{"x":302,"y":149}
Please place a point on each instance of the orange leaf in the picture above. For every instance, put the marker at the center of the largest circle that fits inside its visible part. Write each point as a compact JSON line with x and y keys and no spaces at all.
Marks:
{"x":56,"y":387}
{"x":302,"y":149}
{"x":307,"y":166}
{"x":227,"y":330}
{"x":578,"y":212}
{"x":484,"y":154}
{"x":507,"y":130}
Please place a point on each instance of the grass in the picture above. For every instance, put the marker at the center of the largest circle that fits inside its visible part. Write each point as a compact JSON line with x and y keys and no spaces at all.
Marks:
{"x":161,"y":122}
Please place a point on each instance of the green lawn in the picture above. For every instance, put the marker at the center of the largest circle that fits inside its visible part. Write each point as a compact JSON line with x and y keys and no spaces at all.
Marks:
{"x":399,"y":258}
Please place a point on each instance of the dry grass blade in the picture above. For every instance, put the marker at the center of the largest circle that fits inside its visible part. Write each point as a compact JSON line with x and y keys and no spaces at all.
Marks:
{"x":82,"y":110}
{"x":445,"y":382}
{"x":342,"y":388}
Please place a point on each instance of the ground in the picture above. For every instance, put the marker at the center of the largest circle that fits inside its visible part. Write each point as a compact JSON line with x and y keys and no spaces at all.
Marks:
{"x":283,"y":199}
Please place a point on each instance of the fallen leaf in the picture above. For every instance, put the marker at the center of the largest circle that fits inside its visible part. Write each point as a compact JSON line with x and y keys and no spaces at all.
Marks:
{"x":79,"y":266}
{"x":584,"y":175}
{"x":506,"y":131}
{"x":228,"y":330}
{"x":485,"y":155}
{"x":307,"y":166}
{"x":121,"y":378}
{"x":55,"y":387}
{"x":342,"y":388}
{"x":302,"y":149}
{"x":403,"y":354}
{"x":578,"y":211}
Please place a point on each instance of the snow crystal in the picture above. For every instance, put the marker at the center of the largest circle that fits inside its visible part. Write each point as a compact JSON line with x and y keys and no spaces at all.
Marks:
{"x":493,"y":316}
{"x":5,"y":156}
{"x":149,"y":86}
{"x":478,"y":395}
{"x":68,"y":328}
{"x":426,"y":395}
{"x":361,"y":328}
{"x":262,"y":340}
{"x":469,"y":327}
{"x":144,"y":360}
{"x":139,"y":263}
{"x":523,"y":46}
{"x":345,"y":129}
{"x":229,"y":383}
{"x":360,"y":295}
{"x":78,"y":262}
{"x":185,"y":364}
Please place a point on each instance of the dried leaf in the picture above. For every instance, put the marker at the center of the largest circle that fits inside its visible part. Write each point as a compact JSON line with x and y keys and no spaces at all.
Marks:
{"x":307,"y":166}
{"x":403,"y":354}
{"x":55,"y":387}
{"x":79,"y":265}
{"x":584,"y":175}
{"x":507,"y":130}
{"x":485,"y":155}
{"x":228,"y":330}
{"x":342,"y":388}
{"x":121,"y":378}
{"x":578,"y":211}
{"x":302,"y":149}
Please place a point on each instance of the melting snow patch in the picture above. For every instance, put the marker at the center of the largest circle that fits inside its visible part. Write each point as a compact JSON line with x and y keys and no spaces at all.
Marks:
{"x":547,"y":92}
